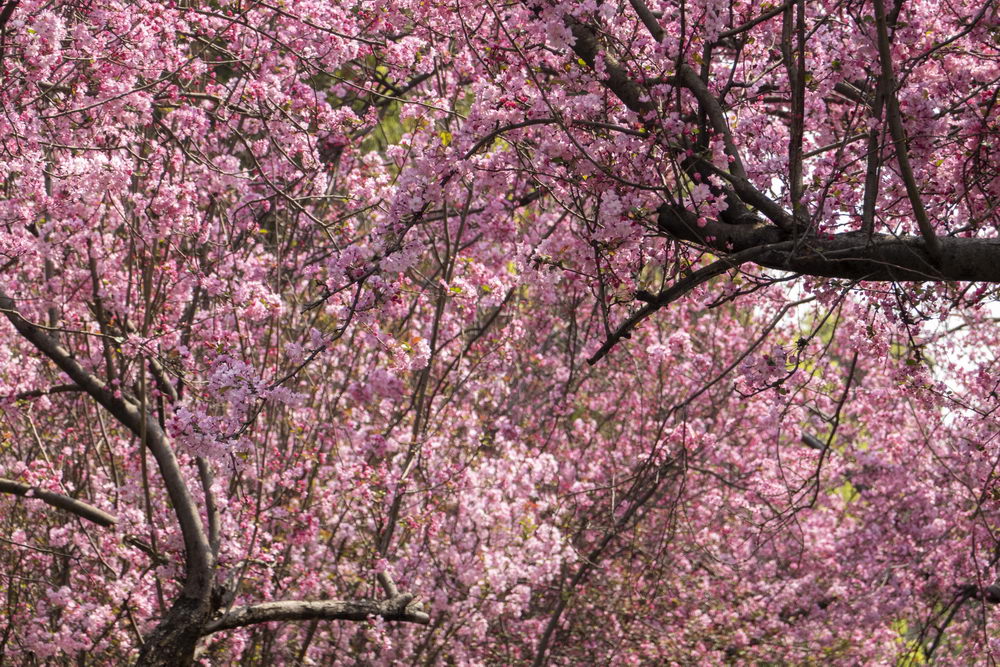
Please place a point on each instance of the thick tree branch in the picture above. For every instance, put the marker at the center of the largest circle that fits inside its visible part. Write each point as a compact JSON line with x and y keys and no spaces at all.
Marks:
{"x":749,"y":194}
{"x":632,"y":95}
{"x":60,"y":501}
{"x":873,"y":166}
{"x":199,"y":555}
{"x":400,"y":608}
{"x":648,"y":20}
{"x":852,"y":256}
{"x":5,"y":14}
{"x":795,"y":67}
{"x":688,"y":78}
{"x":812,"y":442}
{"x":211,"y":506}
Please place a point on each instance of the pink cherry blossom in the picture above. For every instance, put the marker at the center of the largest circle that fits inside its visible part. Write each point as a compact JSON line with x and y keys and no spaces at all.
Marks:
{"x":472,"y":333}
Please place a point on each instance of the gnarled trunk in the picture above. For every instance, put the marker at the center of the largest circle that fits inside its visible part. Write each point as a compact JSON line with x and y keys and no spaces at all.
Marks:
{"x":173,"y":641}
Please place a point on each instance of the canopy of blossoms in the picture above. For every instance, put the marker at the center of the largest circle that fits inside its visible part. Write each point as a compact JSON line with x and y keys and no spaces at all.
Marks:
{"x":538,"y":332}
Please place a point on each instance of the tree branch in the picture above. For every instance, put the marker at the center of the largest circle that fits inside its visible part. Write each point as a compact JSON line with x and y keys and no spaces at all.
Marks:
{"x":199,"y":555}
{"x":852,"y":256}
{"x":648,"y":20}
{"x":632,"y":95}
{"x":211,"y":506}
{"x":636,"y":97}
{"x":58,"y":500}
{"x":899,"y":135}
{"x":400,"y":608}
{"x":38,"y":393}
{"x":795,"y":67}
{"x":674,"y":292}
{"x":688,"y":78}
{"x":769,"y":14}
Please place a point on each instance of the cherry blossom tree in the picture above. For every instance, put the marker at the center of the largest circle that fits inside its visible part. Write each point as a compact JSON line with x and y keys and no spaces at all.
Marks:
{"x":499,"y":333}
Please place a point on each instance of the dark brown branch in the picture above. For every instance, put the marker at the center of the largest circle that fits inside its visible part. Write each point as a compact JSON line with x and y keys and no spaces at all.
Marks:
{"x":769,"y":14}
{"x":636,"y":97}
{"x":795,"y":66}
{"x":812,"y":442}
{"x":648,"y":20}
{"x":632,"y":95}
{"x":688,"y":78}
{"x":899,"y":135}
{"x":874,"y":159}
{"x":38,"y":393}
{"x":834,"y":146}
{"x":5,"y":14}
{"x":60,"y":501}
{"x":852,"y":256}
{"x":674,"y":292}
{"x":486,"y":139}
{"x":873,"y":167}
{"x":749,"y":194}
{"x":211,"y":506}
{"x":400,"y":608}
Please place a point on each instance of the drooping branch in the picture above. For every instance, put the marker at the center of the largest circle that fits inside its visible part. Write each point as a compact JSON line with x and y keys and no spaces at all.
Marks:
{"x":674,"y":292}
{"x":60,"y":501}
{"x":401,"y":608}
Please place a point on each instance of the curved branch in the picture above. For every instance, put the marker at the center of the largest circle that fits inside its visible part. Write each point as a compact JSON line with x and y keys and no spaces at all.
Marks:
{"x":506,"y":128}
{"x":688,"y":78}
{"x":38,"y":393}
{"x":60,"y":501}
{"x":632,"y":95}
{"x":400,"y":608}
{"x":676,"y":291}
{"x":199,"y":555}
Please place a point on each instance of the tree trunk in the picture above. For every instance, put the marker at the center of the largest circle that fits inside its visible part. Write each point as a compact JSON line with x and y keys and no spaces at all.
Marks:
{"x":173,"y":641}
